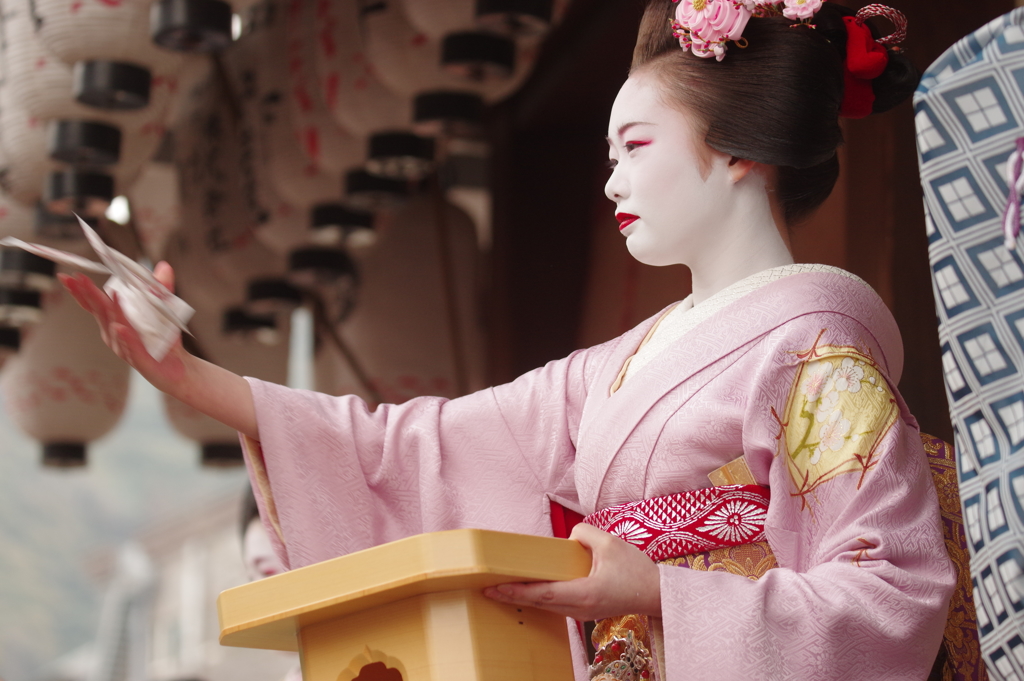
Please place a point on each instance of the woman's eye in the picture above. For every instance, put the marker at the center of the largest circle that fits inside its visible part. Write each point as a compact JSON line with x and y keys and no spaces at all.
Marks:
{"x":631,"y":146}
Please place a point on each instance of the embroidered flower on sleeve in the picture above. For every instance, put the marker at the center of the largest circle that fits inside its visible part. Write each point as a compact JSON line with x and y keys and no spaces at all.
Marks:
{"x":798,"y":10}
{"x":848,"y":376}
{"x":735,"y":522}
{"x":631,"y":531}
{"x":827,"y":404}
{"x":832,"y":435}
{"x":817,"y":377}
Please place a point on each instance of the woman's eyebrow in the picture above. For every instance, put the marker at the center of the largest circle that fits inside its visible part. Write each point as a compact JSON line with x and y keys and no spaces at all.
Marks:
{"x":626,"y":126}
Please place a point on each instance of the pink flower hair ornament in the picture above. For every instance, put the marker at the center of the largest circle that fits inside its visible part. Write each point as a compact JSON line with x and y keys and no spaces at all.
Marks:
{"x":705,"y":26}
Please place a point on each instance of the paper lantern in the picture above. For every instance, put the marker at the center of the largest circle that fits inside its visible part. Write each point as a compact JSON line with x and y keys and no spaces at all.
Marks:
{"x":404,"y":294}
{"x":347,"y":78}
{"x":42,"y":83}
{"x":115,"y":31}
{"x":30,"y":171}
{"x":64,"y":388}
{"x":287,"y":169}
{"x":410,"y":62}
{"x":36,"y":99}
{"x":328,"y":146}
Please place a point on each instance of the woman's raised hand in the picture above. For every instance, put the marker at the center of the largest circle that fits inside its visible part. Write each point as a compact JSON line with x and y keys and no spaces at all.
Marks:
{"x":121,"y":337}
{"x":622,"y":581}
{"x":205,"y":387}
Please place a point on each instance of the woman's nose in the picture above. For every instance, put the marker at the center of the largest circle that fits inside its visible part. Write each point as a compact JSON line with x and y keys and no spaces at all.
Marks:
{"x":615,"y":188}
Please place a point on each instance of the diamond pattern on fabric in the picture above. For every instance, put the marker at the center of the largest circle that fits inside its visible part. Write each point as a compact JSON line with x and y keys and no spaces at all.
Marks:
{"x":981,"y":108}
{"x":970,"y":101}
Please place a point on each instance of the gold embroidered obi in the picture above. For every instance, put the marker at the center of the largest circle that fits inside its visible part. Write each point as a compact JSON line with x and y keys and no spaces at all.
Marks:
{"x":718,"y":528}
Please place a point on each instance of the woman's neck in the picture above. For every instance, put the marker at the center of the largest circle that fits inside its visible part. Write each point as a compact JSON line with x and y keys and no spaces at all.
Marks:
{"x":747,"y":240}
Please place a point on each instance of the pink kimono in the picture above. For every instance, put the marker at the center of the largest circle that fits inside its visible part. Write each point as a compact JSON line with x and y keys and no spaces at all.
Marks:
{"x":797,"y":377}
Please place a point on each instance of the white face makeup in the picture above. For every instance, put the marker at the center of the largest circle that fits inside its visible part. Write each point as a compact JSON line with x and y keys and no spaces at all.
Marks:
{"x":260,"y":559}
{"x":657,"y":178}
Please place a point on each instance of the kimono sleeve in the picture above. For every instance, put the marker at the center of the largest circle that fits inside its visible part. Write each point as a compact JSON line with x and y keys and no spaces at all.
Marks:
{"x":332,"y":476}
{"x":863,"y":581}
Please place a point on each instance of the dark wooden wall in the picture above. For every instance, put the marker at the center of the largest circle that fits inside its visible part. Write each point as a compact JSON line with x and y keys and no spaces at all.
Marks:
{"x":549,"y":174}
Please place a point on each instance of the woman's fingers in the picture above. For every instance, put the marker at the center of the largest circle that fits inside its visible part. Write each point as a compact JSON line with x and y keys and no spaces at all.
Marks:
{"x":622,"y":580}
{"x":573,"y":598}
{"x":164,"y":273}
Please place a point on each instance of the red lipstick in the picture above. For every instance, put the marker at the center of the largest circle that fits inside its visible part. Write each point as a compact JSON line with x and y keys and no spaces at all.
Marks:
{"x":625,"y":220}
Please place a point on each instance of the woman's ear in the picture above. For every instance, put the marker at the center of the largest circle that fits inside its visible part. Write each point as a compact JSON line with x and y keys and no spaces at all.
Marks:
{"x":739,"y":168}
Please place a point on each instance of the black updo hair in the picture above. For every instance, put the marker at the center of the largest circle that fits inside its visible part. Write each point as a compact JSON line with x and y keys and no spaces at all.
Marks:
{"x":775,"y":101}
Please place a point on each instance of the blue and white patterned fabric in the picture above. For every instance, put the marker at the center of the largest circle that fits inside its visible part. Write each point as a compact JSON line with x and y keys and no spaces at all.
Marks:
{"x":970,"y":112}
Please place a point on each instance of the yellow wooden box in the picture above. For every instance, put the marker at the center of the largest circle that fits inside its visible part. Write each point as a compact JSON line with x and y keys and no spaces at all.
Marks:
{"x":413,"y":610}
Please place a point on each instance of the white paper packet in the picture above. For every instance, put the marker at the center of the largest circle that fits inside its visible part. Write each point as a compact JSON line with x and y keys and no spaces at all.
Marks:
{"x":154,"y":312}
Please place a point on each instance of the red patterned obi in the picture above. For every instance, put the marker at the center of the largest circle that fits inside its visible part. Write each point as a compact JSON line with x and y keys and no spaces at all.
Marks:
{"x":718,"y":528}
{"x":689,"y":522}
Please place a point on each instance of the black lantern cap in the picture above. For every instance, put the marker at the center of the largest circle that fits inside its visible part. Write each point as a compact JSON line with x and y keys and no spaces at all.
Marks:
{"x":310,"y":266}
{"x":21,"y":269}
{"x":79,"y":191}
{"x":237,"y":319}
{"x":191,"y":25}
{"x":64,"y":454}
{"x":84,"y":142}
{"x":465,"y":107}
{"x":365,"y":191}
{"x":239,"y":323}
{"x":515,"y":17}
{"x":10,"y":339}
{"x":112,"y":85}
{"x":400,"y":155}
{"x":18,"y":297}
{"x":477,"y":55}
{"x":221,"y":455}
{"x":333,"y":223}
{"x":336,"y":215}
{"x":57,"y":226}
{"x":20,"y":306}
{"x":267,"y":296}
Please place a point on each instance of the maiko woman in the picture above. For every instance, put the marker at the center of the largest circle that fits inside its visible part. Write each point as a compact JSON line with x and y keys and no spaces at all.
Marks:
{"x":775,"y":376}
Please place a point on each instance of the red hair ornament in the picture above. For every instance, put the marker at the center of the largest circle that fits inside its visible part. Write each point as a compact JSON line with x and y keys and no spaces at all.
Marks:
{"x":866,"y":58}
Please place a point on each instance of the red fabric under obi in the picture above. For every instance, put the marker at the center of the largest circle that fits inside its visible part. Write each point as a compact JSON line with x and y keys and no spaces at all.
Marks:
{"x":689,"y":522}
